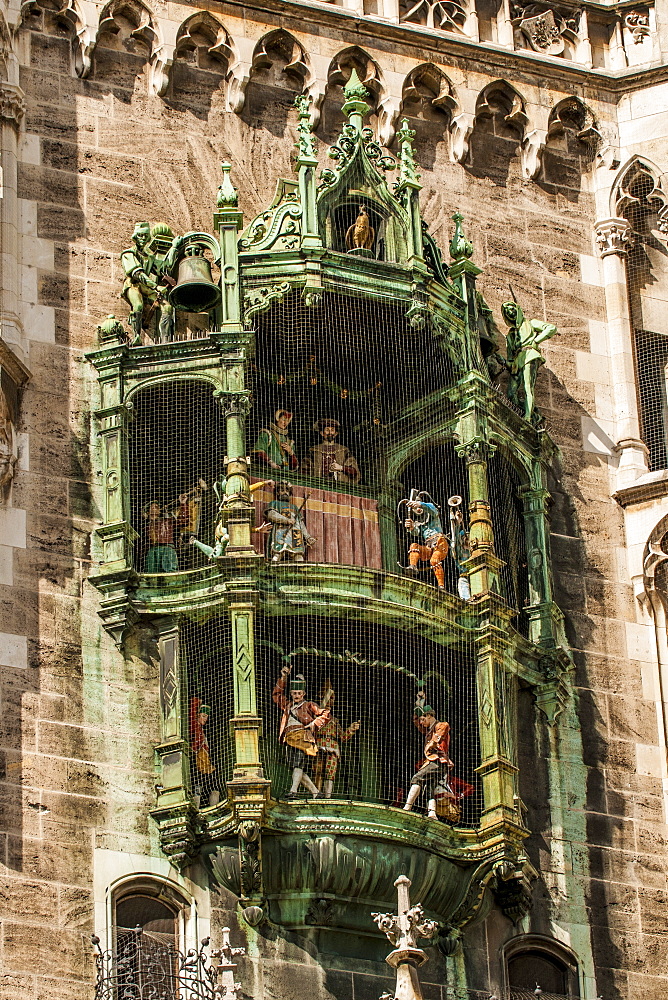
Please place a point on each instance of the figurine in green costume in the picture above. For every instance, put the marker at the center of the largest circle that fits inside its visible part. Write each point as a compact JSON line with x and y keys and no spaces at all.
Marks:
{"x":273,"y":446}
{"x":524,"y":358}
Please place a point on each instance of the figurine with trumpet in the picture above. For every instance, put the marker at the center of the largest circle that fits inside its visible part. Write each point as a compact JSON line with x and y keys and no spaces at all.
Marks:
{"x":423,"y":522}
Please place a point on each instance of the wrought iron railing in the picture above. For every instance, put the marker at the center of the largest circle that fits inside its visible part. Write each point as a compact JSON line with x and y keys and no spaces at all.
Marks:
{"x":143,"y":968}
{"x":513,"y":993}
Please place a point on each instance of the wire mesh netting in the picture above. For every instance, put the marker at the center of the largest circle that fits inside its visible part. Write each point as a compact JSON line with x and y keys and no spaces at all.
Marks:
{"x":206,"y":652}
{"x":647,"y":281}
{"x":364,"y":681}
{"x":176,"y":448}
{"x":353,"y":463}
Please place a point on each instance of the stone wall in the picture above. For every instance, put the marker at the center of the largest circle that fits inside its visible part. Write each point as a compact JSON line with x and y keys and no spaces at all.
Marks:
{"x":79,"y":721}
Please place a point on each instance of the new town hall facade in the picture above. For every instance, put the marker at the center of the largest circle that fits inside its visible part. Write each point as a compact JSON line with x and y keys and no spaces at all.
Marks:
{"x":334,"y":498}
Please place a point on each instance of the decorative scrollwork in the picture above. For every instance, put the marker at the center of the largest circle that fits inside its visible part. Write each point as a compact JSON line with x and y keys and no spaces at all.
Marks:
{"x":279,"y":228}
{"x":140,"y":966}
{"x":260,"y":299}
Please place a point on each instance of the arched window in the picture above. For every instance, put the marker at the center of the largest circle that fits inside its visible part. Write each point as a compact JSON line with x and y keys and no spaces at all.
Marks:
{"x":541,"y":963}
{"x":147,"y":931}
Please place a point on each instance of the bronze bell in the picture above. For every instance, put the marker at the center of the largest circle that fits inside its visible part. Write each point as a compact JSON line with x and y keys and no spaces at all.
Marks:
{"x":195,"y":290}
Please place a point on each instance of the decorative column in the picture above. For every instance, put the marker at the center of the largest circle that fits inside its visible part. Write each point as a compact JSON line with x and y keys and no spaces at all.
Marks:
{"x":584,"y":53}
{"x":408,"y":190}
{"x":471,"y":26}
{"x":236,"y":406}
{"x":614,"y":237}
{"x":545,"y":619}
{"x":504,"y":26}
{"x":12,"y":110}
{"x":389,"y":9}
{"x":248,"y":790}
{"x":227,"y":221}
{"x":404,"y":931}
{"x":307,"y":164}
{"x":617,"y":54}
{"x":463,"y":273}
{"x":175,"y":811}
{"x":496,"y":687}
{"x":116,"y":534}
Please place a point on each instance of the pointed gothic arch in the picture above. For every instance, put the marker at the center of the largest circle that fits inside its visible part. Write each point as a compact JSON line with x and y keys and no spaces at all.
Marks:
{"x":640,"y":180}
{"x":280,"y":48}
{"x":203,"y":25}
{"x":499,"y":99}
{"x":427,"y":84}
{"x":356,"y":58}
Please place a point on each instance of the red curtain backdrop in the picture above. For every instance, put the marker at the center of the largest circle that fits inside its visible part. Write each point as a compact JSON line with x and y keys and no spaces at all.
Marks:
{"x":345,"y":527}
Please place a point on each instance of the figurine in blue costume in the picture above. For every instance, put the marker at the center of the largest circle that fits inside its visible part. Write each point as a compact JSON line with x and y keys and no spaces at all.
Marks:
{"x":429,"y":543}
{"x":289,"y":537}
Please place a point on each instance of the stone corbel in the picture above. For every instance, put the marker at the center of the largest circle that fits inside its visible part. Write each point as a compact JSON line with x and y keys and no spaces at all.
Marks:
{"x":74,"y":13}
{"x":552,"y":695}
{"x":238,"y":76}
{"x":315,"y":88}
{"x":162,"y":58}
{"x":12,"y":103}
{"x":461,"y":127}
{"x":532,"y":152}
{"x":613,"y":236}
{"x":512,"y":887}
{"x":389,"y":108}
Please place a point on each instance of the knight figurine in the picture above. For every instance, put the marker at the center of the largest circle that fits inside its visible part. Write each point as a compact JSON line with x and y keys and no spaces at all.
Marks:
{"x":524,"y":358}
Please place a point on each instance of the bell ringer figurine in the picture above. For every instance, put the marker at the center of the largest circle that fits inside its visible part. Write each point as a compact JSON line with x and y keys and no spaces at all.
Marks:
{"x":296,"y":733}
{"x":430,"y":544}
{"x":145,"y":288}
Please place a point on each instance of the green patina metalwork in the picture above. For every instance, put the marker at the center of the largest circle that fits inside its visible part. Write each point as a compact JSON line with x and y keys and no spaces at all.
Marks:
{"x":328,"y":863}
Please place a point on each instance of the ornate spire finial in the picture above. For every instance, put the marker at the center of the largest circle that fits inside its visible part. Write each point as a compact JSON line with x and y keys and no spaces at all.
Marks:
{"x":354,"y":88}
{"x":356,"y":96}
{"x":227,"y":987}
{"x":404,"y":931}
{"x":460,"y":247}
{"x":228,"y":196}
{"x":306,"y":143}
{"x":408,"y":175}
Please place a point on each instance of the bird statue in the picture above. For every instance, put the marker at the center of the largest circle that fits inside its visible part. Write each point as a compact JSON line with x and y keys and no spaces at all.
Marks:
{"x":361,"y":234}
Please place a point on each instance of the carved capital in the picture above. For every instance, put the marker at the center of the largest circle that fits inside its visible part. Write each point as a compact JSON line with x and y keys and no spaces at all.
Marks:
{"x":12,"y":103}
{"x":234,"y":404}
{"x":476,"y":451}
{"x":613,"y":236}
